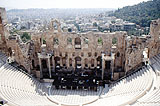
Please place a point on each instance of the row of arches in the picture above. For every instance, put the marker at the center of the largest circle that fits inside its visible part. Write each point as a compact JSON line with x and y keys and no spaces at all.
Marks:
{"x":77,"y":62}
{"x":78,"y":41}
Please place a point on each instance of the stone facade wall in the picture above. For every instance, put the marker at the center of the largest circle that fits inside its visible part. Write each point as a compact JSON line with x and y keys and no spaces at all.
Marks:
{"x":124,"y":54}
{"x":3,"y":30}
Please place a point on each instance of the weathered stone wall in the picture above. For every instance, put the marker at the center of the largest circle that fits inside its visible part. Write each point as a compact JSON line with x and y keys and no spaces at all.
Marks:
{"x":68,"y":46}
{"x":93,"y":48}
{"x":3,"y":30}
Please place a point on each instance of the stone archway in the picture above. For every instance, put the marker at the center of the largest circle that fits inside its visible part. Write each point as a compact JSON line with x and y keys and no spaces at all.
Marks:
{"x":77,"y":43}
{"x":64,"y":61}
{"x":78,"y":62}
{"x":57,"y":62}
{"x":92,"y":62}
{"x":70,"y":62}
{"x":86,"y":62}
{"x":10,"y":51}
{"x":44,"y":64}
{"x":99,"y":62}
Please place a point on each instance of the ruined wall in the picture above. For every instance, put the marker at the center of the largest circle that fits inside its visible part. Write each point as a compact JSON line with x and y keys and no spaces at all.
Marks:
{"x":3,"y":30}
{"x":154,"y":44}
{"x":68,"y":46}
{"x":91,"y":47}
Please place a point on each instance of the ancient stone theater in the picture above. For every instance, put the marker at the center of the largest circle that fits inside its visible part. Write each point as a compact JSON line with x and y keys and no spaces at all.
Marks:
{"x":70,"y":60}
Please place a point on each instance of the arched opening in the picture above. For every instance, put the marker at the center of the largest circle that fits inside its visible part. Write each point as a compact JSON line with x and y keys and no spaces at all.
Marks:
{"x":33,"y":65}
{"x":44,"y":41}
{"x":95,"y":54}
{"x":92,"y":62}
{"x":100,"y":41}
{"x":99,"y":62}
{"x":70,"y":62}
{"x":82,"y":54}
{"x":64,"y":61}
{"x":118,"y":54}
{"x":10,"y":51}
{"x":89,"y":54}
{"x":108,"y":65}
{"x":86,"y":40}
{"x":114,"y":41}
{"x":57,"y":62}
{"x":44,"y":64}
{"x":78,"y":62}
{"x":55,"y":24}
{"x":77,"y":43}
{"x":55,"y":41}
{"x":86,"y":62}
{"x":69,"y":41}
{"x":40,"y":40}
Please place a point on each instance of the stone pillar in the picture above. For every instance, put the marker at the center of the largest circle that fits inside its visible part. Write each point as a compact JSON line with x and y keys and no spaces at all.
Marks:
{"x":61,"y":61}
{"x":112,"y":64}
{"x":67,"y":62}
{"x":49,"y":66}
{"x":41,"y":74}
{"x":73,"y":63}
{"x":95,"y":63}
{"x":89,"y":62}
{"x":83,"y":63}
{"x":53,"y":62}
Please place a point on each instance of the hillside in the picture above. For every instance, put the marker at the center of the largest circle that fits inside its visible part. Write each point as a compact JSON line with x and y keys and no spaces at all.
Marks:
{"x":141,"y":14}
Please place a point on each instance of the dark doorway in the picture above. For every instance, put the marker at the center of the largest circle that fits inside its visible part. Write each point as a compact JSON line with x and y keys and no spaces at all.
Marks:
{"x":57,"y":61}
{"x":77,"y":43}
{"x":108,"y":65}
{"x":33,"y":64}
{"x":44,"y":64}
{"x":99,"y":62}
{"x":78,"y":62}
{"x":10,"y":51}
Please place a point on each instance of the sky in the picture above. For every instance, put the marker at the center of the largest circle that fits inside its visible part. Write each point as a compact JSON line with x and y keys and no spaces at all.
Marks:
{"x":24,"y":4}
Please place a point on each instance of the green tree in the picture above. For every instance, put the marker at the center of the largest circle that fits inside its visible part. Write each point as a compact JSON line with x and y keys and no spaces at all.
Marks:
{"x":95,"y":24}
{"x":25,"y":37}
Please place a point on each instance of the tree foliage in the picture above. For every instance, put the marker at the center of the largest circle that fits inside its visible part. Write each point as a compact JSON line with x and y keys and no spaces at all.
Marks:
{"x":25,"y":37}
{"x":141,"y":14}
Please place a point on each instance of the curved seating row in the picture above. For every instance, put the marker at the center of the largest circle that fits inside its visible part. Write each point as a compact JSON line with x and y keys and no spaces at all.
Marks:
{"x":152,"y":98}
{"x":140,"y":88}
{"x":127,"y":90}
{"x":74,"y":97}
{"x":19,"y":89}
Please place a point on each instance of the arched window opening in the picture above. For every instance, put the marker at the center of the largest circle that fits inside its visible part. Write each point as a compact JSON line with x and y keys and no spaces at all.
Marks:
{"x":77,"y":43}
{"x":89,"y":54}
{"x":33,"y":64}
{"x":114,"y":41}
{"x":55,"y":41}
{"x":86,"y":40}
{"x":86,"y":62}
{"x":92,"y":62}
{"x":78,"y":62}
{"x":69,"y":41}
{"x":64,"y":61}
{"x":44,"y":64}
{"x":118,"y":54}
{"x":99,"y":62}
{"x":10,"y":51}
{"x":44,"y":41}
{"x":70,"y":62}
{"x":100,"y":41}
{"x":82,"y":54}
{"x":95,"y":54}
{"x":57,"y":62}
